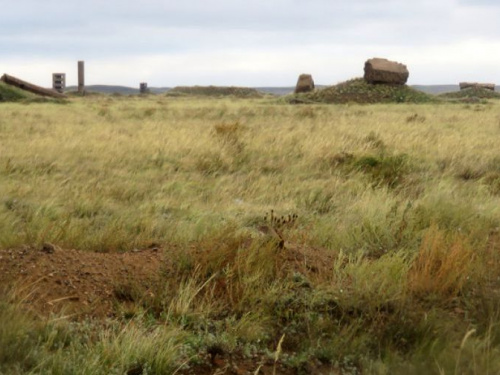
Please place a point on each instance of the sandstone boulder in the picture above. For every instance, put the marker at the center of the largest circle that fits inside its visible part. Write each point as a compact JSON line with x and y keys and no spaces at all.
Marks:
{"x":385,"y":71}
{"x":466,"y":85}
{"x":305,"y":83}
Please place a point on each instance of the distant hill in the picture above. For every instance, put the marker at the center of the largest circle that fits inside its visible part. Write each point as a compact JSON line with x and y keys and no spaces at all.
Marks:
{"x":276,"y":90}
{"x":436,"y":89}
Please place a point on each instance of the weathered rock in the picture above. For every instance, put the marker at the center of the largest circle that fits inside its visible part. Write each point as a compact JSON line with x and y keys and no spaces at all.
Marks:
{"x":466,"y":85}
{"x":379,"y":70}
{"x":305,"y":83}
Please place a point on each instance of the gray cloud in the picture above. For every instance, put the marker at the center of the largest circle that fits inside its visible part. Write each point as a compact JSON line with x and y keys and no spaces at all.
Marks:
{"x":118,"y":27}
{"x":127,"y":29}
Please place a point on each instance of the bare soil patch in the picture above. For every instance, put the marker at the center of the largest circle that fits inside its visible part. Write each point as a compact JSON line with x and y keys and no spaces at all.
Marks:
{"x":51,"y":280}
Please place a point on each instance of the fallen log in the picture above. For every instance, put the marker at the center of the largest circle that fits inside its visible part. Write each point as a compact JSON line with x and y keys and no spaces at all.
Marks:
{"x":23,"y":85}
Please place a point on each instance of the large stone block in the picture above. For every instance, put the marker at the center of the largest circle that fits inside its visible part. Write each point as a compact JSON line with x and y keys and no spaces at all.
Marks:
{"x":379,"y":70}
{"x":305,"y":83}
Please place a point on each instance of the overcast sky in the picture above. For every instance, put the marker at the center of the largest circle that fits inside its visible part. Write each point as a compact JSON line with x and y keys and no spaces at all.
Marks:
{"x":247,"y":42}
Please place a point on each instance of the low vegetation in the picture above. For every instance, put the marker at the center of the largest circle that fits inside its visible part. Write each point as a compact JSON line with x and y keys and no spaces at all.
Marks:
{"x":359,"y":91}
{"x":471,"y":94}
{"x":215,"y":91}
{"x":11,"y":94}
{"x":318,"y":238}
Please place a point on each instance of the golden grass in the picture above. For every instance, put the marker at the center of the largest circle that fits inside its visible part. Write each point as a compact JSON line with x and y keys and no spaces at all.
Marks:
{"x":133,"y":163}
{"x":390,"y":259}
{"x":442,"y":265}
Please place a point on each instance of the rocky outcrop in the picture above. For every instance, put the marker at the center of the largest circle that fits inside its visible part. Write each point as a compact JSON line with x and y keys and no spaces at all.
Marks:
{"x":379,"y":70}
{"x":305,"y":83}
{"x":487,"y":86}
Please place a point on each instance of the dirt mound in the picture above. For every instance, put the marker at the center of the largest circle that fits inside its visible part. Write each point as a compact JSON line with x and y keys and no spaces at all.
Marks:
{"x":471,"y":93}
{"x":359,"y":91}
{"x":53,"y":280}
{"x":215,"y":91}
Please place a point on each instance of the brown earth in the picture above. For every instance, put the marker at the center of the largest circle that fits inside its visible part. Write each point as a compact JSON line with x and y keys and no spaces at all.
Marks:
{"x":77,"y":283}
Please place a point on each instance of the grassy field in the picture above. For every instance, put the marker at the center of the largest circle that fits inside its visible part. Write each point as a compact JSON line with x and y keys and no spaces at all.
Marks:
{"x":386,"y":260}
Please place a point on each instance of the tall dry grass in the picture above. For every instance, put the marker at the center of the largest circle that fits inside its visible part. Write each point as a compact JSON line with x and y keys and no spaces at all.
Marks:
{"x":391,"y":262}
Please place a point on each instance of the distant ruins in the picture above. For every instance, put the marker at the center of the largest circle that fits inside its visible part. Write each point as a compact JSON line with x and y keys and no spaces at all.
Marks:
{"x":59,"y":82}
{"x":487,"y":86}
{"x":19,"y":83}
{"x":81,"y":77}
{"x":384,"y":71}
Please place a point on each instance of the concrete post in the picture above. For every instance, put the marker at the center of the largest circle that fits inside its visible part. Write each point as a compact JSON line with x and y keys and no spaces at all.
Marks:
{"x":81,"y":77}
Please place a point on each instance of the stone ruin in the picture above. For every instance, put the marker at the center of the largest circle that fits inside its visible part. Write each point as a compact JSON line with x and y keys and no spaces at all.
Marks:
{"x":384,"y":71}
{"x":143,"y":88}
{"x":305,"y":83}
{"x":475,"y":85}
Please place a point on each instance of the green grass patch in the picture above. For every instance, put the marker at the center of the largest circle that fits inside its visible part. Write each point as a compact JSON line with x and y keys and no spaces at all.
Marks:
{"x":10,"y":93}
